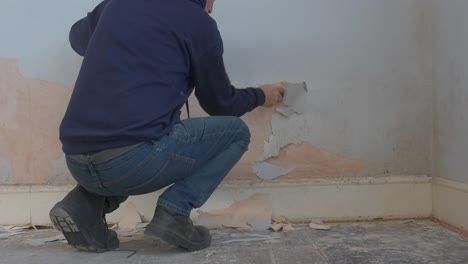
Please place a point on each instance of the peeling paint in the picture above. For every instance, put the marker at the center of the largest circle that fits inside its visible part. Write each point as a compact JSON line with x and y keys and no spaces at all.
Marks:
{"x":267,"y":171}
{"x":295,"y":98}
{"x":283,"y":134}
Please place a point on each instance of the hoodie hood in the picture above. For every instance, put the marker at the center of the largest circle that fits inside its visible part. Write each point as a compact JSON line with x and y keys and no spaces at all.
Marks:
{"x":200,"y":2}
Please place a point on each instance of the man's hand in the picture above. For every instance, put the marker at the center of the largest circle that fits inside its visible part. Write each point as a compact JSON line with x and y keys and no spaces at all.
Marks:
{"x":273,"y":94}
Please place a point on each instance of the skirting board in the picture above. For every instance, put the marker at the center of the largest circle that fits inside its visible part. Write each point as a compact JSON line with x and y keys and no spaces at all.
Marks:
{"x":332,"y":199}
{"x":451,"y":202}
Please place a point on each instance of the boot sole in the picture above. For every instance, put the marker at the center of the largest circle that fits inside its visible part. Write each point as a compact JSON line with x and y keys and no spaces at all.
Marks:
{"x":75,"y":237}
{"x":175,"y":240}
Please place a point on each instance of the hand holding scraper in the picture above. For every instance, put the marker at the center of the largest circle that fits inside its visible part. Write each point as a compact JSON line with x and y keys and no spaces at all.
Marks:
{"x":295,"y":99}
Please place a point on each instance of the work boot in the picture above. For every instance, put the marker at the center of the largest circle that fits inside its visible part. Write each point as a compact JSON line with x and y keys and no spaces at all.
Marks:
{"x":80,"y":217}
{"x":113,"y":203}
{"x":178,"y":230}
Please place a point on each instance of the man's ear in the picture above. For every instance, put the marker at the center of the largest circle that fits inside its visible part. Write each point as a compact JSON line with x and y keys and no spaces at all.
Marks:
{"x":209,"y":6}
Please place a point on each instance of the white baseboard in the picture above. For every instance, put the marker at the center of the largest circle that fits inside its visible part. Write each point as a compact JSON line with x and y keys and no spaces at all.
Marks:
{"x":451,"y":202}
{"x":334,"y":199}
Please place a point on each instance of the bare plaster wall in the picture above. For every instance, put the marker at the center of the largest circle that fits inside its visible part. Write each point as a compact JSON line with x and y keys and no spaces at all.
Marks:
{"x":451,"y":88}
{"x":367,"y":64}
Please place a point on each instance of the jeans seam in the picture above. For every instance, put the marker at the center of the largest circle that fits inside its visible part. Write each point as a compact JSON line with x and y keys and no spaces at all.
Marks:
{"x":164,"y":203}
{"x":156,"y":176}
{"x":134,"y":171}
{"x":217,"y":134}
{"x":132,"y":153}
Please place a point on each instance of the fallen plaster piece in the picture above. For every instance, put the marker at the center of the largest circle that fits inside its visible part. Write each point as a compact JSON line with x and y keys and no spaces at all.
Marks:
{"x":288,"y":227}
{"x":285,"y":227}
{"x":267,"y":171}
{"x":257,"y":207}
{"x":9,"y":234}
{"x":259,"y":224}
{"x":295,"y":98}
{"x":8,"y":231}
{"x":21,"y":227}
{"x":42,"y":241}
{"x":281,"y":224}
{"x":319,"y":225}
{"x":279,"y":219}
{"x":130,"y":217}
{"x":277,"y":227}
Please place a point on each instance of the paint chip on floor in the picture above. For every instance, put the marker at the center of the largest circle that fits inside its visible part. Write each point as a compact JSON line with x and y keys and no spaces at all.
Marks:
{"x":285,"y":227}
{"x":252,"y":210}
{"x":279,"y":219}
{"x":42,"y":241}
{"x":319,"y":225}
{"x":259,"y":224}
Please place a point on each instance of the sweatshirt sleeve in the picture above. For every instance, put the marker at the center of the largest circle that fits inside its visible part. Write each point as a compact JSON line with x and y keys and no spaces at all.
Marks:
{"x":81,"y":31}
{"x":214,"y":91}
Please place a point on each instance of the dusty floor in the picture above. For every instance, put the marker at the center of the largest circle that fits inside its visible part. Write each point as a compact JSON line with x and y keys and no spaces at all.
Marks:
{"x":383,"y":242}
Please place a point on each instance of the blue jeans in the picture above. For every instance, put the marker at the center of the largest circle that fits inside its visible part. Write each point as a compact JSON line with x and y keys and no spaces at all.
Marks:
{"x":195,"y":157}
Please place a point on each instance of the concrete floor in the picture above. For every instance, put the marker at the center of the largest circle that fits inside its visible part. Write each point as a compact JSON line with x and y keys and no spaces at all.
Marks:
{"x":381,"y":242}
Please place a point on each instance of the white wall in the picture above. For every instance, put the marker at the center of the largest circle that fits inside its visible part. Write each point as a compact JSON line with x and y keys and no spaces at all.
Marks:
{"x":367,"y":63}
{"x":451,"y":88}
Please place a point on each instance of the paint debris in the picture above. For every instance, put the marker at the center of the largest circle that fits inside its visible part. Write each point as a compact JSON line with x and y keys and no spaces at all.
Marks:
{"x":280,"y":224}
{"x":130,"y":217}
{"x":319,"y":225}
{"x":259,"y":224}
{"x":13,"y":230}
{"x":267,"y":171}
{"x":242,"y":214}
{"x":288,"y":227}
{"x":279,"y":219}
{"x":282,"y":227}
{"x":248,"y":238}
{"x":277,"y":227}
{"x":42,"y":241}
{"x":295,"y":99}
{"x":6,"y":235}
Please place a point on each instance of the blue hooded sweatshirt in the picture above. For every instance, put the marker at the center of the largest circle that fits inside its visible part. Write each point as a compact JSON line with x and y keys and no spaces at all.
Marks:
{"x":142,"y":60}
